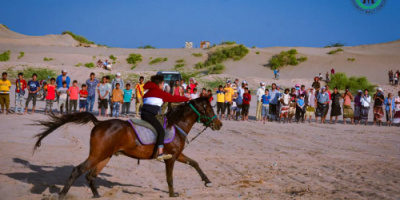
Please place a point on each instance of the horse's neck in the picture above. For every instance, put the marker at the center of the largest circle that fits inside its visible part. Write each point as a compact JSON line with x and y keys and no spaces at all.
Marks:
{"x":188,"y":122}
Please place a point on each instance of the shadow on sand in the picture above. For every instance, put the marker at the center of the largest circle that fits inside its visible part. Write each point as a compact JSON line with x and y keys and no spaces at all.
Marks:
{"x":44,"y":177}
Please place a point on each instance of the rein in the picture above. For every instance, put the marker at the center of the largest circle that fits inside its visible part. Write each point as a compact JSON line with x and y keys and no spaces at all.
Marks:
{"x":200,"y":116}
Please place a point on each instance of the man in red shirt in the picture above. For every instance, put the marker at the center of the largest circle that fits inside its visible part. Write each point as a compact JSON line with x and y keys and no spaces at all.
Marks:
{"x":152,"y":102}
{"x":246,"y":104}
{"x":20,"y":86}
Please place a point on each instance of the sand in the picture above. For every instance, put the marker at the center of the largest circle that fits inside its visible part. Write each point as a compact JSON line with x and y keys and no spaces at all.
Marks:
{"x":244,"y":160}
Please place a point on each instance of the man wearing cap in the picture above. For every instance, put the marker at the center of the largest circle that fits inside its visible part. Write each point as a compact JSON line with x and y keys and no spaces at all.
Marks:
{"x":260,"y":93}
{"x":116,"y":80}
{"x":228,"y":98}
{"x":59,"y":81}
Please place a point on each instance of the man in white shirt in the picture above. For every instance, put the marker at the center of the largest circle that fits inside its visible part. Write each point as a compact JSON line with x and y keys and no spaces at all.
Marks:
{"x":260,"y":93}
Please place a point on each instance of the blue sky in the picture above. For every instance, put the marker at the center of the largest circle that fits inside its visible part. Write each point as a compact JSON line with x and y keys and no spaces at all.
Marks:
{"x":169,"y":23}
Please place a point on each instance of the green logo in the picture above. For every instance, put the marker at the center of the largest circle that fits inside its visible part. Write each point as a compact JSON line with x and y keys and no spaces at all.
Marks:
{"x":369,"y":6}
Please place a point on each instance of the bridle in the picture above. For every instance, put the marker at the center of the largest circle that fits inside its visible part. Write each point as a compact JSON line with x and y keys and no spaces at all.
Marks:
{"x":200,"y":116}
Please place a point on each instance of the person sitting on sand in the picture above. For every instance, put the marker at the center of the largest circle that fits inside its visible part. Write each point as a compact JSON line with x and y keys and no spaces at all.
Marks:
{"x":99,"y":63}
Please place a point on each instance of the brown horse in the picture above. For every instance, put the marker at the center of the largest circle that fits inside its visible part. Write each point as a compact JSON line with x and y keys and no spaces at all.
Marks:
{"x":117,"y":136}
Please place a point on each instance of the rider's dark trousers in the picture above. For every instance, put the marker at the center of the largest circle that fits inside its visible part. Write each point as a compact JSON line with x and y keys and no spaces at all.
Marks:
{"x":156,"y":124}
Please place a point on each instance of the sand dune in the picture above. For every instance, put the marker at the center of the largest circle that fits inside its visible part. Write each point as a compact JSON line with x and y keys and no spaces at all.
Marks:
{"x":244,"y":160}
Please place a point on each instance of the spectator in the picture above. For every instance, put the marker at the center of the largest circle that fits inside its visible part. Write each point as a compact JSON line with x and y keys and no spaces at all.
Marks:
{"x":91,"y":83}
{"x":194,"y":95}
{"x":73,"y":93}
{"x":62,"y":92}
{"x":33,"y":88}
{"x":228,"y":98}
{"x":183,"y":85}
{"x":117,"y":100}
{"x":20,"y":86}
{"x":128,"y":97}
{"x":260,"y":93}
{"x":246,"y":104}
{"x":139,"y":95}
{"x":265,"y":105}
{"x":103,"y":89}
{"x":83,"y":95}
{"x":5,"y":86}
{"x":60,"y":80}
{"x":51,"y":96}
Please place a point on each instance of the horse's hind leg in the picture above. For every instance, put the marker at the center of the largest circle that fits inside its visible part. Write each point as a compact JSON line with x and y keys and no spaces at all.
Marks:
{"x":169,"y":164}
{"x":184,"y":159}
{"x":76,"y":172}
{"x":92,"y":174}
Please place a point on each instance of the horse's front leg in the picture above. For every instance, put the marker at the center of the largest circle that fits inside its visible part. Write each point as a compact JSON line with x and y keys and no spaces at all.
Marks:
{"x":169,"y":164}
{"x":184,"y":159}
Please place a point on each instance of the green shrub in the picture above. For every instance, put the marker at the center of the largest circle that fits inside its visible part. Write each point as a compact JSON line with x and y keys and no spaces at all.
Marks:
{"x":42,"y":73}
{"x":257,"y":52}
{"x":146,"y":47}
{"x":216,"y":69}
{"x":180,"y":61}
{"x":113,"y":62}
{"x":197,"y":54}
{"x":89,"y":65}
{"x":133,"y":67}
{"x":341,"y":81}
{"x":285,"y":58}
{"x":253,"y":47}
{"x":21,"y":54}
{"x":165,"y":59}
{"x":302,"y":59}
{"x":228,"y":42}
{"x":199,"y":65}
{"x":94,"y":57}
{"x":186,"y":75}
{"x":337,"y":44}
{"x":5,"y":26}
{"x":78,"y":65}
{"x":134,"y":59}
{"x":179,"y":66}
{"x":335,"y":51}
{"x":213,"y":83}
{"x":157,"y":60}
{"x":78,"y":38}
{"x":112,"y":57}
{"x":327,"y":46}
{"x":47,"y":59}
{"x":351,"y":59}
{"x":222,"y":54}
{"x":111,"y":75}
{"x":5,"y":56}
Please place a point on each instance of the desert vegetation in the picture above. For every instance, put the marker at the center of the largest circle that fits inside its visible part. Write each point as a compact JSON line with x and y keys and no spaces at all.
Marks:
{"x":216,"y":69}
{"x":78,"y":65}
{"x":42,"y":73}
{"x":21,"y":54}
{"x":89,"y":65}
{"x":158,"y":60}
{"x":351,"y":59}
{"x":341,"y":81}
{"x":134,"y":59}
{"x":285,"y":58}
{"x":335,"y":51}
{"x":5,"y":56}
{"x":78,"y":38}
{"x":225,"y":53}
{"x":47,"y":59}
{"x":146,"y":47}
{"x":337,"y":44}
{"x":228,"y":42}
{"x":197,"y":54}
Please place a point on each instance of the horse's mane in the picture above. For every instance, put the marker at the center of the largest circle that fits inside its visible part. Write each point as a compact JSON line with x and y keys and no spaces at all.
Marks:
{"x":177,"y":114}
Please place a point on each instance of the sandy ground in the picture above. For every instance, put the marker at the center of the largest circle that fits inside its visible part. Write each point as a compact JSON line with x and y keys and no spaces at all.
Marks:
{"x":244,"y":160}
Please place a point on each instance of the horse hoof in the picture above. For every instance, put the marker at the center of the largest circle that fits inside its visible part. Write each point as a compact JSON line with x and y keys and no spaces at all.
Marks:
{"x":96,"y":196}
{"x":208,"y":184}
{"x":174,"y":195}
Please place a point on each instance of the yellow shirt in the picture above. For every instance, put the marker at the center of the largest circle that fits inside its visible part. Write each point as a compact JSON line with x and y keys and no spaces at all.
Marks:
{"x":139,"y":90}
{"x":221,"y":96}
{"x":5,"y":86}
{"x":228,"y":93}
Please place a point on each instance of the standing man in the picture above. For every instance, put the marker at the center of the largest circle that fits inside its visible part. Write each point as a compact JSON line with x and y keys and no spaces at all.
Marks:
{"x":91,"y":83}
{"x":139,"y":95}
{"x":116,"y":80}
{"x":260,"y":93}
{"x":5,"y":86}
{"x":103,"y":90}
{"x":274,"y":95}
{"x":228,"y":98}
{"x":322,"y":106}
{"x":20,"y":85}
{"x":33,"y":88}
{"x":59,"y":81}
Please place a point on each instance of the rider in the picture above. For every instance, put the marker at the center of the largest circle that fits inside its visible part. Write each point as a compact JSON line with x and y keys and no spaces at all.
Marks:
{"x":152,"y":102}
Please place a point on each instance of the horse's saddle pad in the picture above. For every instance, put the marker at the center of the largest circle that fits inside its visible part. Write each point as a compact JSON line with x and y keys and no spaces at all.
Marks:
{"x":147,"y":134}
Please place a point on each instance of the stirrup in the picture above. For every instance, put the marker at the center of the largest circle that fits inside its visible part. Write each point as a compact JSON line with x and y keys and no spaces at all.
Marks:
{"x":163,"y":156}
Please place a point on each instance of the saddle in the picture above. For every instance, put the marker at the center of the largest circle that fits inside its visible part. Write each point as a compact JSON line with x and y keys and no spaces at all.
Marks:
{"x":147,"y":134}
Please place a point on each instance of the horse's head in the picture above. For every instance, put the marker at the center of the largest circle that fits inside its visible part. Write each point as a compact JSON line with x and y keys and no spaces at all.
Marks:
{"x":206,"y":113}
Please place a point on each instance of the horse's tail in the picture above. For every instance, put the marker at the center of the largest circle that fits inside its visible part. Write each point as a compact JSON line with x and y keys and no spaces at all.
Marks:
{"x":55,"y":122}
